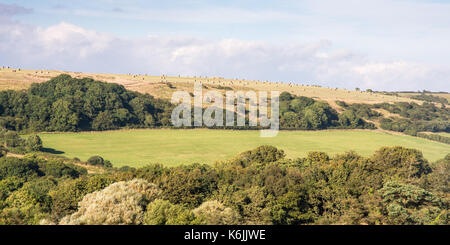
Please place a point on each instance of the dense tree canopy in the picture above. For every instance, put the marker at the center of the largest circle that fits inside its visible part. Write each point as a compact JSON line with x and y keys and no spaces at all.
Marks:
{"x":414,"y":118}
{"x":306,"y":113}
{"x":69,"y":104}
{"x":395,"y":185}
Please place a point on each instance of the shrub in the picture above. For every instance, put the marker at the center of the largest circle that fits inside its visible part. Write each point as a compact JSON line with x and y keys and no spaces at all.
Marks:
{"x":33,"y":143}
{"x":99,"y":161}
{"x":199,"y":181}
{"x":12,"y":139}
{"x":263,"y":154}
{"x":162,"y":212}
{"x":287,"y":210}
{"x":22,"y":168}
{"x":215,"y":213}
{"x":57,"y":168}
{"x":412,"y":205}
{"x":439,"y":178}
{"x":107,"y":164}
{"x":3,"y":151}
{"x":96,"y":161}
{"x":65,"y":196}
{"x":285,"y":96}
{"x":400,"y":161}
{"x":29,"y":204}
{"x":9,"y":185}
{"x":118,"y":204}
{"x":430,"y":98}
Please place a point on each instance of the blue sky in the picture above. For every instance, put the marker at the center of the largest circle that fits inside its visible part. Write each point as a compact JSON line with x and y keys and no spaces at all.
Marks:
{"x":385,"y":45}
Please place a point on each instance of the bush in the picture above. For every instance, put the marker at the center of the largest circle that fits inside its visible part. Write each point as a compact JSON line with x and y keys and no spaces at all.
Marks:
{"x":12,"y":139}
{"x":8,"y":186}
{"x":3,"y":151}
{"x":99,"y":161}
{"x":96,"y":161}
{"x":215,"y":213}
{"x":199,"y":182}
{"x":15,"y":167}
{"x":318,"y":157}
{"x":286,"y":96}
{"x":439,"y":178}
{"x":262,"y":154}
{"x":118,"y":204}
{"x":29,"y":204}
{"x":58,"y":169}
{"x":412,"y":205}
{"x":400,"y":161}
{"x":162,"y":212}
{"x":66,"y":195}
{"x":288,"y":210}
{"x":430,"y":98}
{"x":33,"y":143}
{"x":107,"y":164}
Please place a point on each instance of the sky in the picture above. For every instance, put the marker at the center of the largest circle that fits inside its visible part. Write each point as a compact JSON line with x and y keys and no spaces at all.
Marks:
{"x":398,"y":45}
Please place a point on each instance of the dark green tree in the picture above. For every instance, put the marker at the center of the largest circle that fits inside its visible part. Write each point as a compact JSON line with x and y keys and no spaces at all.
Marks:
{"x":33,"y":143}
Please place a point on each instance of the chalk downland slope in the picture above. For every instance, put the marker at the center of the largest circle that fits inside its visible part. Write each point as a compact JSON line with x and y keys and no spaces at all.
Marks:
{"x":163,"y":86}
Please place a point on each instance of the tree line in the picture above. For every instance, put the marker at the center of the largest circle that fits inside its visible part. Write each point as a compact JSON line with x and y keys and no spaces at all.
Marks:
{"x":299,"y":112}
{"x":435,"y":137}
{"x":70,"y":104}
{"x":413,"y":118}
{"x":430,"y":98}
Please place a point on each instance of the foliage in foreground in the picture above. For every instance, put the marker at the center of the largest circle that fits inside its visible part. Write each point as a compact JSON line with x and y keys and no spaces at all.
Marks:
{"x":395,"y":185}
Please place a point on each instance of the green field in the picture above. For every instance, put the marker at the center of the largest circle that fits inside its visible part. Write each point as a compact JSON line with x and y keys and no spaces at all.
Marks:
{"x":172,"y":147}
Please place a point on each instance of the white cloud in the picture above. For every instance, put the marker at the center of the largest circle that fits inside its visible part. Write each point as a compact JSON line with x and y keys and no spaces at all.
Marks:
{"x":64,"y":37}
{"x":399,"y":75}
{"x":69,"y":47}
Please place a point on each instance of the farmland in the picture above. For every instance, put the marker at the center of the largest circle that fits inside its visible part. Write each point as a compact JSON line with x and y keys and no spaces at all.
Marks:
{"x":174,"y":147}
{"x":162,"y":86}
{"x":97,"y":126}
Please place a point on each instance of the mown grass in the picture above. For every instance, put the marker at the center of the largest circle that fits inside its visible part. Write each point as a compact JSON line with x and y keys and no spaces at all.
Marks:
{"x":173,"y":147}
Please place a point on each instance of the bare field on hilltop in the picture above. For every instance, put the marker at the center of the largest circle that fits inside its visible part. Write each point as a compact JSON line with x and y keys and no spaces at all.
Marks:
{"x":164,"y":86}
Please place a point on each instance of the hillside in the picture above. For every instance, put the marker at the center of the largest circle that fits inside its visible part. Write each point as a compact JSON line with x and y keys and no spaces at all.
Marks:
{"x":88,"y":99}
{"x":162,"y":86}
{"x":329,"y":154}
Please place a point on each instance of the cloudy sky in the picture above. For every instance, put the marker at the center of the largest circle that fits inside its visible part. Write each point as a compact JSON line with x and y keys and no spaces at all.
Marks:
{"x":382,"y":45}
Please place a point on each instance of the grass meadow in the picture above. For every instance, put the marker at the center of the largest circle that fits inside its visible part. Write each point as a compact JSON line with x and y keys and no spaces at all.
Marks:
{"x":184,"y":146}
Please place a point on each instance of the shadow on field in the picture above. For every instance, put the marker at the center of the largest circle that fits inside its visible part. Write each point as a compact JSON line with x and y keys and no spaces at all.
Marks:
{"x":52,"y":151}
